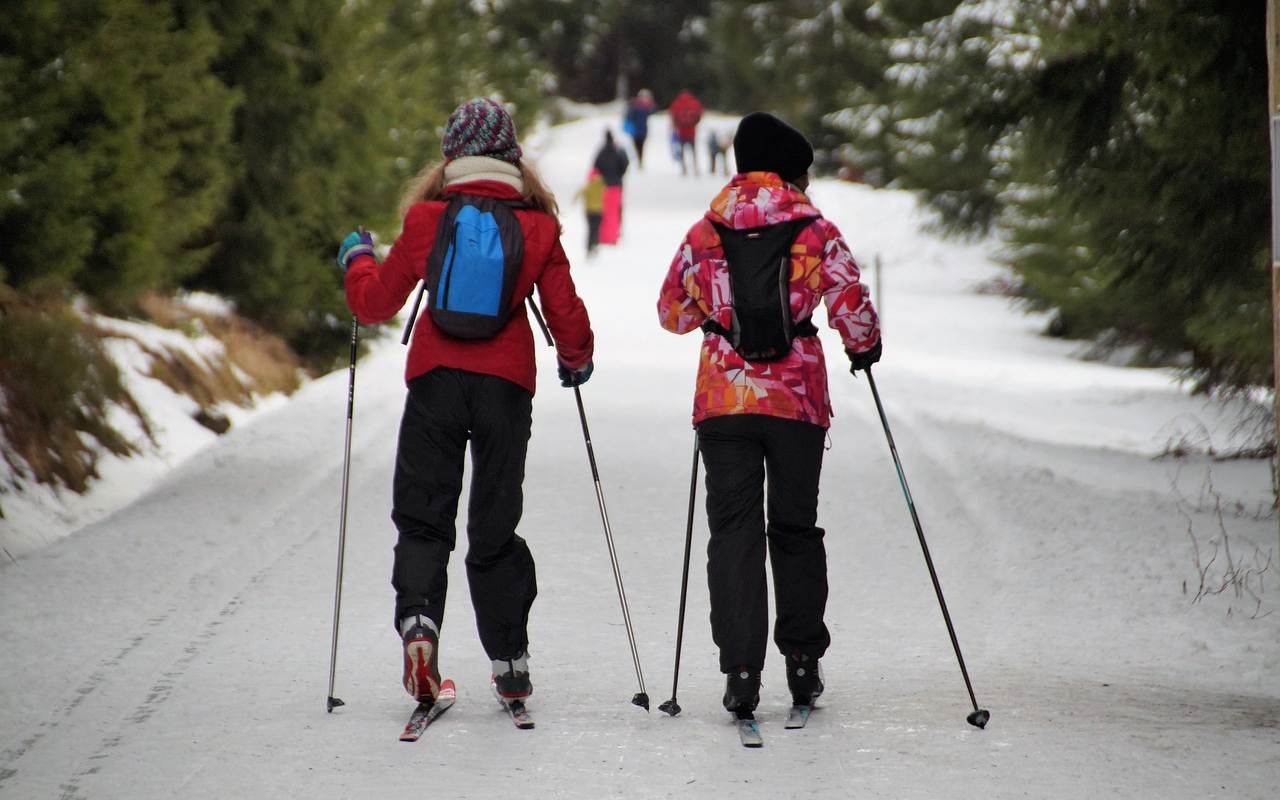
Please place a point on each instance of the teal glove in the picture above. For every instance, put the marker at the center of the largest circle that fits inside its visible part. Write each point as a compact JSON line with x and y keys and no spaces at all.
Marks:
{"x":357,"y":243}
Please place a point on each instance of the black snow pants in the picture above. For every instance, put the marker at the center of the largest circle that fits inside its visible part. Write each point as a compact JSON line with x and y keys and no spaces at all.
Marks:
{"x":739,"y":452}
{"x":594,"y":218}
{"x":446,"y":408}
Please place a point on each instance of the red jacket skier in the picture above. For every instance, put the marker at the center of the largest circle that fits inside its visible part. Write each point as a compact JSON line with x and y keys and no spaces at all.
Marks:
{"x":476,"y":390}
{"x":686,"y":112}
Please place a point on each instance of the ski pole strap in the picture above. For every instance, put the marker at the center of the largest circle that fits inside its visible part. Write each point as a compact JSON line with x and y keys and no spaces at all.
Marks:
{"x":804,"y":327}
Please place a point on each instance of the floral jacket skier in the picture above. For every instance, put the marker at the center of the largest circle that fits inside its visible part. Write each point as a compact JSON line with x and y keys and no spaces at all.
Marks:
{"x":822,"y":269}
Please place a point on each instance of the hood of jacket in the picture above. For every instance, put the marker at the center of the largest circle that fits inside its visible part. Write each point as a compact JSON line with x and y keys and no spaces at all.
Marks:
{"x":756,"y":199}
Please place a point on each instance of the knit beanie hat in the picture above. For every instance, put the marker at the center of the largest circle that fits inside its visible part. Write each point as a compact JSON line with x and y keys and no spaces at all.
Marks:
{"x":765,"y":143}
{"x":481,"y":127}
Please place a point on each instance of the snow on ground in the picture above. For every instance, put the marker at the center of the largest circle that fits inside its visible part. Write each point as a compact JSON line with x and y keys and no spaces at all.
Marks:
{"x":36,"y":515}
{"x":181,"y":645}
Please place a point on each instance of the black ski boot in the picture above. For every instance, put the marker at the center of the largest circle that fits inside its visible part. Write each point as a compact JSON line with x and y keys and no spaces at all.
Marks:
{"x":742,"y":692}
{"x":511,"y":678}
{"x":804,"y":679}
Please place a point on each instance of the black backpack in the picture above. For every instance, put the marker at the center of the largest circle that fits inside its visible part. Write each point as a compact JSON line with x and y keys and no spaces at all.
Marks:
{"x":759,"y":261}
{"x":471,"y":271}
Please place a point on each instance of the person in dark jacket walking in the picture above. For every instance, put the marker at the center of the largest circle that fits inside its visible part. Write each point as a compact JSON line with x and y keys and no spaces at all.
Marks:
{"x":636,"y":122}
{"x":469,"y":390}
{"x":611,"y":162}
{"x":761,"y":421}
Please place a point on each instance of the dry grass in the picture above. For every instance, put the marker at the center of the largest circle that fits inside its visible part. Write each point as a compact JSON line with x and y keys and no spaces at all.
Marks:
{"x":57,"y":384}
{"x":268,"y":363}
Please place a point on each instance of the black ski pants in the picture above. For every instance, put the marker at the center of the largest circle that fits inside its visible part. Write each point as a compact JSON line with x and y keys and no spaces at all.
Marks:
{"x":639,"y":142}
{"x":741,"y":453}
{"x":445,"y":409}
{"x":594,"y":218}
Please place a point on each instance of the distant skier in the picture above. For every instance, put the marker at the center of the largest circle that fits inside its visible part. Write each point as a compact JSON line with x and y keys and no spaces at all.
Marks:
{"x":469,"y":389}
{"x":686,"y":113}
{"x":718,"y":153}
{"x":611,"y":162}
{"x":761,"y":406}
{"x":636,"y":122}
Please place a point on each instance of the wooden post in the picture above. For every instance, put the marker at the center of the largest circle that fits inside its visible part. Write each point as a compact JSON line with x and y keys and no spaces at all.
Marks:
{"x":1273,"y":113}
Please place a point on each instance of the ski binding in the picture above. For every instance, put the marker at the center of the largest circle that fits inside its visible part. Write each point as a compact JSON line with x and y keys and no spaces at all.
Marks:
{"x":516,"y":708}
{"x":798,"y":716}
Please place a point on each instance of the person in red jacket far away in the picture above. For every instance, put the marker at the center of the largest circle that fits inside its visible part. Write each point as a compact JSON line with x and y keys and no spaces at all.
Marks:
{"x":477,"y":390}
{"x":686,"y":113}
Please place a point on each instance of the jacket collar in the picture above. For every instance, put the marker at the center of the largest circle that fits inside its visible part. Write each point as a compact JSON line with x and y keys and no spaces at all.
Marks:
{"x":473,"y":169}
{"x":755,"y":199}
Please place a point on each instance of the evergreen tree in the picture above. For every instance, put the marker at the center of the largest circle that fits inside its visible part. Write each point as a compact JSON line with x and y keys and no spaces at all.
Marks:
{"x":597,"y":48}
{"x":806,"y":60}
{"x":343,"y":101}
{"x":1121,"y":148}
{"x":114,"y":161}
{"x":306,"y":159}
{"x":861,"y":123}
{"x":419,"y":61}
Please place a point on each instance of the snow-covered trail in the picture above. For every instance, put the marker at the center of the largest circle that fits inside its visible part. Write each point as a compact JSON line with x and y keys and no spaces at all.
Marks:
{"x":181,"y":646}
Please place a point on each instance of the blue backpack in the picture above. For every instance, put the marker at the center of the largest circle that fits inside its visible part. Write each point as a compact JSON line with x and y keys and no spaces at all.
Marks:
{"x":471,"y":271}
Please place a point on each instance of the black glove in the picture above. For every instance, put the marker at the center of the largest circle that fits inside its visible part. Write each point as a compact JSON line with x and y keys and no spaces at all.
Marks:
{"x":865,"y":359}
{"x":574,"y":377}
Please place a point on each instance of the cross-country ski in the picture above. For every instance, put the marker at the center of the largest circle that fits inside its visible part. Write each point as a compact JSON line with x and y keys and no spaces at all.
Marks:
{"x":427,"y":713}
{"x":518,"y":712}
{"x":798,"y":716}
{"x":749,"y":733}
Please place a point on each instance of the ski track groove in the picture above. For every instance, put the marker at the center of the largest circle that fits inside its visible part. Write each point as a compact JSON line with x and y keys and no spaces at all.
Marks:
{"x":163,"y":688}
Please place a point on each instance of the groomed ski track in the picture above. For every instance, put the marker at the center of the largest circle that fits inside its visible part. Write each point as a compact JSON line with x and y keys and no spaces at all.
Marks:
{"x":180,"y":647}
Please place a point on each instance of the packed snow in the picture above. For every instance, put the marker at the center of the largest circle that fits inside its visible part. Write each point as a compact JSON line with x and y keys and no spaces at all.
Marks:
{"x":35,"y":514}
{"x":180,"y":646}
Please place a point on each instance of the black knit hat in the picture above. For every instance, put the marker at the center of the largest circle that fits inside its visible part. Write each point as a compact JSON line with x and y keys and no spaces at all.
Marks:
{"x":765,"y":143}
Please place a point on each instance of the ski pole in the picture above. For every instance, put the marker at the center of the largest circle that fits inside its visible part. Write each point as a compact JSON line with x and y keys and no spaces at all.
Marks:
{"x":980,"y":716}
{"x":641,"y":698}
{"x":413,"y":315}
{"x":671,"y":706}
{"x":342,"y":525}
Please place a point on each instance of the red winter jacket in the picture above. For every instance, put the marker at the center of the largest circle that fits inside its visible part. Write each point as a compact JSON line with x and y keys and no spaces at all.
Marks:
{"x":686,"y":113}
{"x":376,"y":292}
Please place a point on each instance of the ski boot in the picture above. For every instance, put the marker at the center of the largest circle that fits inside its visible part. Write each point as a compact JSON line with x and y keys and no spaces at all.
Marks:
{"x":804,"y":679}
{"x":742,"y":692}
{"x":511,"y":678}
{"x":421,"y":646}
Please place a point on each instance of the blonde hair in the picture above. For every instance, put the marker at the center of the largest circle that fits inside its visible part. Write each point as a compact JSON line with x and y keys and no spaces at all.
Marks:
{"x":429,"y":184}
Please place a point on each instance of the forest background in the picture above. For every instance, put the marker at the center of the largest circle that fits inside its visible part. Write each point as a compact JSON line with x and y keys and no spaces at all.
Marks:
{"x":1119,"y":150}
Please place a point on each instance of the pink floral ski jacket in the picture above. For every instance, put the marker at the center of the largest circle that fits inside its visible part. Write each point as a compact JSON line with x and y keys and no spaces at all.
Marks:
{"x":822,"y":269}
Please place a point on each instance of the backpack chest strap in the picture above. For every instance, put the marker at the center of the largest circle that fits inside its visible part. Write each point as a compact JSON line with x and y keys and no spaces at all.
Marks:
{"x":804,"y":327}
